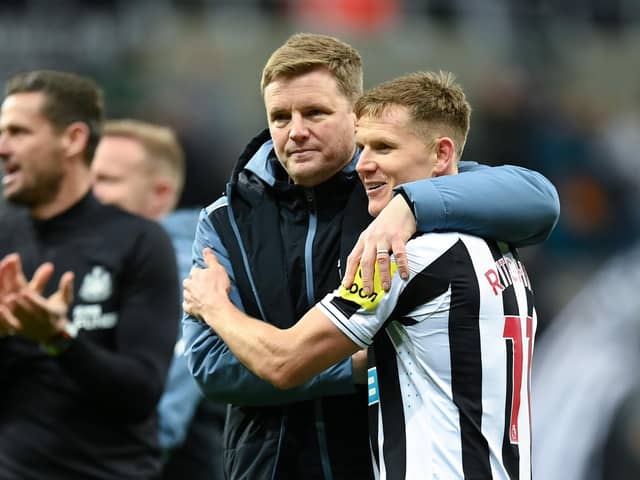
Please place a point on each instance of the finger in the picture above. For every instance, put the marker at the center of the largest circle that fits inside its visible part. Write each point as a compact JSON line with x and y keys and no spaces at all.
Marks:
{"x":37,"y":319}
{"x":9,"y":260}
{"x":4,"y":263}
{"x":29,"y":303}
{"x":18,"y":272}
{"x":400,"y":256}
{"x":193,"y":270}
{"x":21,"y":309}
{"x":9,"y":324}
{"x":367,"y":267}
{"x":65,"y":287}
{"x":210,"y":258}
{"x":188,"y":306}
{"x":9,"y":273}
{"x":384,"y":268}
{"x":5,"y":287}
{"x":41,"y":277}
{"x":353,"y":261}
{"x":10,"y":300}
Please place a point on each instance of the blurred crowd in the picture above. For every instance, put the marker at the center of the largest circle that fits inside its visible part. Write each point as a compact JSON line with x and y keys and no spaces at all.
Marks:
{"x":553,"y":85}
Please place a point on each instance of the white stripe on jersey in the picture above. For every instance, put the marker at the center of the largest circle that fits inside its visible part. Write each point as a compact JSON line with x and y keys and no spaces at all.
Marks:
{"x":454,"y":351}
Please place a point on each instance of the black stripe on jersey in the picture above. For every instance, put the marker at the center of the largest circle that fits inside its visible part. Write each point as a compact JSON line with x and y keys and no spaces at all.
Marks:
{"x":510,"y":451}
{"x":420,"y":289}
{"x":346,"y":307}
{"x":407,"y":321}
{"x":466,"y":355}
{"x":345,"y":325}
{"x":394,"y":446}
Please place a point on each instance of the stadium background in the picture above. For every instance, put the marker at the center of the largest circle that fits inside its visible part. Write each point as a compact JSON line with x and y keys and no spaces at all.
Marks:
{"x":554,"y":86}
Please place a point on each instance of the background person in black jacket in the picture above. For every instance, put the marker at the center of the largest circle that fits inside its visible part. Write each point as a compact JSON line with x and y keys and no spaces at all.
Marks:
{"x":81,"y":368}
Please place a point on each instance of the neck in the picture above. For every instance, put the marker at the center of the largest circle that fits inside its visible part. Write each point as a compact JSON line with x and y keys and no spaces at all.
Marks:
{"x":74,"y":187}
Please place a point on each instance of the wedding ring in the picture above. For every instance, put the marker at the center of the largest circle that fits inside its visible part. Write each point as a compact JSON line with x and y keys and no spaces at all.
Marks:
{"x":382,"y":251}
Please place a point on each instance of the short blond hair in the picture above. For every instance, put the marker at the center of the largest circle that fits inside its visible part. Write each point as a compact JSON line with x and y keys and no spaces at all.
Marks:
{"x":436,"y":103}
{"x":305,"y":52}
{"x":161,"y":145}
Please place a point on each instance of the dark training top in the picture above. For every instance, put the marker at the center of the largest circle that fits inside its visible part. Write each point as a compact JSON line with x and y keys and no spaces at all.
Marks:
{"x":90,"y":412}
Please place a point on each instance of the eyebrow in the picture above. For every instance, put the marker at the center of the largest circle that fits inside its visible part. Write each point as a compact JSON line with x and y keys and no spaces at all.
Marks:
{"x":277,"y":111}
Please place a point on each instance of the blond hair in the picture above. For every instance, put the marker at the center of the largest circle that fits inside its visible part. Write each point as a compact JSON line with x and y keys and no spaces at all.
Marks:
{"x":164,"y":153}
{"x":305,"y":52}
{"x":436,"y":104}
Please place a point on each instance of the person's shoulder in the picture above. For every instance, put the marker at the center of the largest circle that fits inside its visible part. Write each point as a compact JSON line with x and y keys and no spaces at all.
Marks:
{"x":435,"y":242}
{"x":436,"y":237}
{"x":15,"y":226}
{"x":119,"y":221}
{"x":114,"y":214}
{"x":181,"y":223}
{"x":221,"y":202}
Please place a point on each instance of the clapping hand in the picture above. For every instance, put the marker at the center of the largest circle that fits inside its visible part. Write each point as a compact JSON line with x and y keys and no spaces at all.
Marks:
{"x":24,"y":311}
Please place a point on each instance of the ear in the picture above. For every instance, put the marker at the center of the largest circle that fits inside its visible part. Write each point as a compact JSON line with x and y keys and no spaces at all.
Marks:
{"x":164,"y":192}
{"x":75,"y":139}
{"x":354,"y":120}
{"x":445,"y":151}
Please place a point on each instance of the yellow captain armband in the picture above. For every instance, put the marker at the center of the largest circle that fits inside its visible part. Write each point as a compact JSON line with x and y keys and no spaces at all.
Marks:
{"x":356,"y":292}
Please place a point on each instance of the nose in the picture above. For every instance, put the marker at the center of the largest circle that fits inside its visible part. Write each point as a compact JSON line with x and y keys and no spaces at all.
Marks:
{"x":298,"y":128}
{"x":365,"y":163}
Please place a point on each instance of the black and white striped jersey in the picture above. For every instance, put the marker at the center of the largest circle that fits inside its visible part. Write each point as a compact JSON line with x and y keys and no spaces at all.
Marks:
{"x":450,"y":360}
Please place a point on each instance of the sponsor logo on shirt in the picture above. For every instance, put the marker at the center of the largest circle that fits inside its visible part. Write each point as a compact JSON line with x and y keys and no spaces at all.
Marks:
{"x":91,"y":317}
{"x":96,"y":285}
{"x":356,"y":292}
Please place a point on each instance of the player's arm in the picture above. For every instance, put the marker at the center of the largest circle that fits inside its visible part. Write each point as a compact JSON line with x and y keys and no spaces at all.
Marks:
{"x":284,"y":358}
{"x":219,"y":373}
{"x":508,"y":203}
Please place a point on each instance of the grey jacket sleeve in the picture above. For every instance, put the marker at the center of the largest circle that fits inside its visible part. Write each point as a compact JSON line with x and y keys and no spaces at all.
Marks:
{"x":221,"y":377}
{"x":508,"y":203}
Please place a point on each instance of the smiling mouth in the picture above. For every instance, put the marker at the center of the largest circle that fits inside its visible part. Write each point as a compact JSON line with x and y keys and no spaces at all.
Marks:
{"x":375,"y":186}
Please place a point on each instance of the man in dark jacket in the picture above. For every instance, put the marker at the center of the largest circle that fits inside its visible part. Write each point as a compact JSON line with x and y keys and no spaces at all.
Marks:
{"x":293,"y":210}
{"x":81,"y":368}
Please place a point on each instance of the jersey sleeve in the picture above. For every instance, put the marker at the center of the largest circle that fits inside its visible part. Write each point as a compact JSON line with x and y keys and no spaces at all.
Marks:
{"x":220,"y":375}
{"x":361,"y":317}
{"x":507,"y":203}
